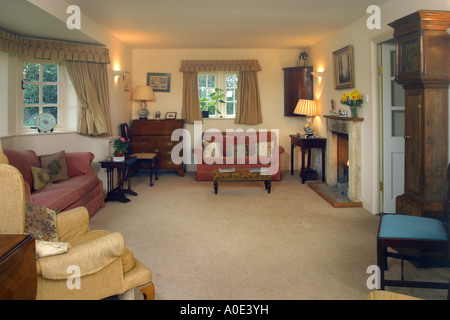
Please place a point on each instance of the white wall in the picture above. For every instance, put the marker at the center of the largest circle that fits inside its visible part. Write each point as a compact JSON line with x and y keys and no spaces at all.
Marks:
{"x":271,"y":85}
{"x":362,"y":39}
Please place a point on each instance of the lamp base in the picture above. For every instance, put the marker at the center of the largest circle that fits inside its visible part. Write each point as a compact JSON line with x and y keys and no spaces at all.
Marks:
{"x":309,"y":129}
{"x":143,"y":113}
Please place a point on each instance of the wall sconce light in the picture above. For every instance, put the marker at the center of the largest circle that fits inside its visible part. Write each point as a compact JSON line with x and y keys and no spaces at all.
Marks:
{"x":117,"y":73}
{"x":318,"y":74}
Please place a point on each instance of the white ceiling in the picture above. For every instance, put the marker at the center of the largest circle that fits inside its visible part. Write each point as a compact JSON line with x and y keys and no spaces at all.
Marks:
{"x":196,"y":23}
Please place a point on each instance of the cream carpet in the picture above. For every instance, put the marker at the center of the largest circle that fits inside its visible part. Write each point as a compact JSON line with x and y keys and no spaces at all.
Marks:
{"x":244,"y":243}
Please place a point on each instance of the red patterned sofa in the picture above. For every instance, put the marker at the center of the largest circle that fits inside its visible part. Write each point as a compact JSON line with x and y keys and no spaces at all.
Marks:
{"x":80,"y":188}
{"x":243,"y":154}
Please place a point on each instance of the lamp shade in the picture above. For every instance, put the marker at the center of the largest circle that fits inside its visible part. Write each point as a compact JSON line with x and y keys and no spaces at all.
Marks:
{"x":306,"y":107}
{"x":143,"y":93}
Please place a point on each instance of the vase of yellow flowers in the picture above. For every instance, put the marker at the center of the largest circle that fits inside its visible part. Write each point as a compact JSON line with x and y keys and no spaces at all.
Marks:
{"x":352,"y":99}
{"x":120,"y":148}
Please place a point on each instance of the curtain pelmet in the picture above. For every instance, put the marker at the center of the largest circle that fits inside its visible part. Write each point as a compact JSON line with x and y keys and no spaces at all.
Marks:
{"x":50,"y":49}
{"x":219,"y":65}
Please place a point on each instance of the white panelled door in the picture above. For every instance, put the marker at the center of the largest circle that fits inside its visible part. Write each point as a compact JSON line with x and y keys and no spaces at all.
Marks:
{"x":393,"y":131}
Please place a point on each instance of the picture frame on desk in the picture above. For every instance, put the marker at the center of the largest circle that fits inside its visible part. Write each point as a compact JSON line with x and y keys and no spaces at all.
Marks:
{"x":171,"y":115}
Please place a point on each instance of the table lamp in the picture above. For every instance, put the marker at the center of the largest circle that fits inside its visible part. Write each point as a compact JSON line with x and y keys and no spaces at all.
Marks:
{"x":143,"y":94}
{"x":308,"y":108}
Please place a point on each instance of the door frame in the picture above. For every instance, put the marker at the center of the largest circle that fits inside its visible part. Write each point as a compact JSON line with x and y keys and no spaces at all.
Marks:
{"x":377,"y":119}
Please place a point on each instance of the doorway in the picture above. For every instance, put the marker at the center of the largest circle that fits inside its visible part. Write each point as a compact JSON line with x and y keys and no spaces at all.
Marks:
{"x":392,"y":127}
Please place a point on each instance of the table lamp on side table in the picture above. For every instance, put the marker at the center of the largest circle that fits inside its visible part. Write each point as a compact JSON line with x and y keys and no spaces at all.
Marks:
{"x":308,"y":108}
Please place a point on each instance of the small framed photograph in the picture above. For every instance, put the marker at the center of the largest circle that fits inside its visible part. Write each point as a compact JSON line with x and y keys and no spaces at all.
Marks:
{"x":171,"y":115}
{"x":160,"y":82}
{"x":343,"y":72}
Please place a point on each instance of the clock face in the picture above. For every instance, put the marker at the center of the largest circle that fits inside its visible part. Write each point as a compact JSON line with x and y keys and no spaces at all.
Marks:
{"x":45,"y":122}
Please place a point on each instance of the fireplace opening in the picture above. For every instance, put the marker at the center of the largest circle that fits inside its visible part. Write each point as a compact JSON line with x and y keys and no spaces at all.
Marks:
{"x":343,"y":163}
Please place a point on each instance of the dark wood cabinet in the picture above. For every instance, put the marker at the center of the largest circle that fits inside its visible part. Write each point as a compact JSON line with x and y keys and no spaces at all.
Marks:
{"x":422,"y":61}
{"x":298,"y":84}
{"x":154,"y":136}
{"x":18,"y":278}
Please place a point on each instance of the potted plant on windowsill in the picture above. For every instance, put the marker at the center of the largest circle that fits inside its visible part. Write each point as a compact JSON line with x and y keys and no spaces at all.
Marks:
{"x":209,"y":104}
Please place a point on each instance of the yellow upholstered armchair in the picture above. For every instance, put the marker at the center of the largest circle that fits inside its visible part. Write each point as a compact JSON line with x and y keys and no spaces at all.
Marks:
{"x":97,"y":264}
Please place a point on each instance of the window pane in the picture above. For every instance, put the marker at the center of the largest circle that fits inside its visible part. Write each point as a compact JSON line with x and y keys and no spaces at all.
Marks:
{"x":31,"y":71}
{"x":52,"y":110}
{"x":211,"y":81}
{"x":31,"y":93}
{"x":398,"y":123}
{"x":231,"y":80}
{"x":50,"y":94}
{"x":231,"y":108}
{"x":231,"y":95}
{"x":50,"y":73}
{"x":202,"y":81}
{"x":398,"y":94}
{"x":29,"y":115}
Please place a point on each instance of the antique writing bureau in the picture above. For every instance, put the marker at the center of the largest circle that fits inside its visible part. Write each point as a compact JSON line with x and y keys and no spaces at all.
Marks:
{"x":154,"y":136}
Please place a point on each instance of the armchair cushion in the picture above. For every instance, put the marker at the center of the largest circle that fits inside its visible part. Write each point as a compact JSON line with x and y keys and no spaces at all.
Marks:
{"x":72,"y":224}
{"x":40,"y":222}
{"x":90,"y":256}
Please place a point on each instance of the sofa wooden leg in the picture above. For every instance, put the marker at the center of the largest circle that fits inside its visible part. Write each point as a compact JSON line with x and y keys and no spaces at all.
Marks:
{"x":148,"y":291}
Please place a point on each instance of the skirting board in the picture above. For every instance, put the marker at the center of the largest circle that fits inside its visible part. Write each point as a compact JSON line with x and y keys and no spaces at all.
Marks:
{"x":336,"y":204}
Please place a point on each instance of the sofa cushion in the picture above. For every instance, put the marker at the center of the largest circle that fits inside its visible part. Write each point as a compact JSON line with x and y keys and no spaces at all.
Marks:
{"x":23,"y":161}
{"x":41,"y":178}
{"x":56,"y":164}
{"x":264,"y":148}
{"x":212,"y":149}
{"x":62,"y":194}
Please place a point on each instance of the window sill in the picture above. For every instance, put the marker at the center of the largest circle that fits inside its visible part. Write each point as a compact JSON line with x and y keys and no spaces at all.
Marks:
{"x":219,"y":118}
{"x":58,"y":132}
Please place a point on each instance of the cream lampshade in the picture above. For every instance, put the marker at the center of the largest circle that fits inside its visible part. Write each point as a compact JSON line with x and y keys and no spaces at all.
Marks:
{"x":308,"y":108}
{"x":143,"y":94}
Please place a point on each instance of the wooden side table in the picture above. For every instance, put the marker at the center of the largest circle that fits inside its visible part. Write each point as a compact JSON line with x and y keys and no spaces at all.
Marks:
{"x":306,"y":144}
{"x":18,"y":276}
{"x":117,"y":193}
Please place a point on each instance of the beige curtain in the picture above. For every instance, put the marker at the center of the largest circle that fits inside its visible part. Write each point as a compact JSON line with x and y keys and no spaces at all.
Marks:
{"x":248,"y":110}
{"x":91,"y":85}
{"x":249,"y":104}
{"x":53,"y":50}
{"x":190,"y":108}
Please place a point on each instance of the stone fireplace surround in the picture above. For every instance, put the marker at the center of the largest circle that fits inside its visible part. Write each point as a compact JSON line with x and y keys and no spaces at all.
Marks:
{"x":351,"y":127}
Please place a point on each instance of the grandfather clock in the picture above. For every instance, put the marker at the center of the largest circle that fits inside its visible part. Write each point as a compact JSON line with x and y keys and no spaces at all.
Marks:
{"x":422,"y":68}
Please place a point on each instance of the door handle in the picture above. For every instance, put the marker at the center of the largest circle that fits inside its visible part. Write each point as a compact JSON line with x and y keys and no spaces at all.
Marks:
{"x":407,"y":137}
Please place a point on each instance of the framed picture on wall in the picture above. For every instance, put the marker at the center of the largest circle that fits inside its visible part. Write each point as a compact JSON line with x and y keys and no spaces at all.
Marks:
{"x":126,"y":81}
{"x":160,"y":82}
{"x":343,"y":72}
